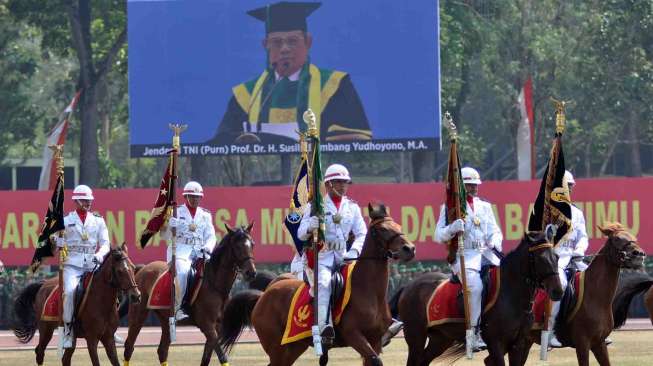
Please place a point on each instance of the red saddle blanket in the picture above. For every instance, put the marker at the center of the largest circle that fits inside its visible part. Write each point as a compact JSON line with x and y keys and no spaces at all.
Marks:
{"x":541,"y":298}
{"x":51,"y":306}
{"x":159,"y":295}
{"x":443,"y":306}
{"x":300,"y":313}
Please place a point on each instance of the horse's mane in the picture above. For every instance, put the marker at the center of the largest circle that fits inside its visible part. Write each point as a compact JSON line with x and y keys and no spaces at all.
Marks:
{"x":513,"y":255}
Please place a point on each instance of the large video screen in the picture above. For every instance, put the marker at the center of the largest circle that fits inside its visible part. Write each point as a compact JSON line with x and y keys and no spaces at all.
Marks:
{"x":242,"y":73}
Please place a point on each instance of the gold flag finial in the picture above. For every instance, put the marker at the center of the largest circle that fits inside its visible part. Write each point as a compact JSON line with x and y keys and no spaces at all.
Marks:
{"x":177,"y":128}
{"x":561,"y":119}
{"x":448,"y":121}
{"x":310,"y":119}
{"x":57,"y":155}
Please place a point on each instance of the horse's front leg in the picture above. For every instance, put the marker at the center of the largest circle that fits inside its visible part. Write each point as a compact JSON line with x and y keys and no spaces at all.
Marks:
{"x":357,"y":341}
{"x":222,"y":357}
{"x":583,"y":354}
{"x":68,"y":353}
{"x":209,"y":346}
{"x":109,"y":344}
{"x":495,"y":358}
{"x":600,"y":351}
{"x":91,"y":343}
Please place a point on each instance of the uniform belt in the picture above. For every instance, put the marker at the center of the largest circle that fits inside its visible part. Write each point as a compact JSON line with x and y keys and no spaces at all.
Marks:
{"x":475,"y":245}
{"x":81,"y":249}
{"x":188,"y":241}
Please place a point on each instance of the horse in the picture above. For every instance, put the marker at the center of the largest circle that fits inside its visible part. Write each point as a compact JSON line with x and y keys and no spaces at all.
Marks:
{"x":96,"y":321}
{"x":630,"y":285}
{"x":601,"y":277}
{"x":363,"y":321}
{"x":531,"y":265}
{"x":232,"y":255}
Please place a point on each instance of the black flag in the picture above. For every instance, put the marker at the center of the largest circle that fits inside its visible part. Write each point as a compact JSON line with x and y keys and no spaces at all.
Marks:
{"x":553,"y":205}
{"x":52,"y":224}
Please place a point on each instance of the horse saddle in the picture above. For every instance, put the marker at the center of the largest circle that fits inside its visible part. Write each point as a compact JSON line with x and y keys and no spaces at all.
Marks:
{"x":337,"y":285}
{"x":81,"y":291}
{"x":485,"y":279}
{"x":194,"y":282}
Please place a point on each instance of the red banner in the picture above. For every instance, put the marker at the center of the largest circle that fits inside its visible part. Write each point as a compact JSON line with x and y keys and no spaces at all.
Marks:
{"x":415,"y":206}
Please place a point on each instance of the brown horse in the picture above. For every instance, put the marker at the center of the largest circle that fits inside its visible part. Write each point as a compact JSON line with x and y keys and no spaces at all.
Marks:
{"x":593,"y":321}
{"x":531,"y":265}
{"x":97,"y":320}
{"x":363,"y":321}
{"x":232,"y":255}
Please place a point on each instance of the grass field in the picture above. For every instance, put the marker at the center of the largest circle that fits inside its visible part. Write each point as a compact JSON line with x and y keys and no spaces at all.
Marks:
{"x":630,"y":348}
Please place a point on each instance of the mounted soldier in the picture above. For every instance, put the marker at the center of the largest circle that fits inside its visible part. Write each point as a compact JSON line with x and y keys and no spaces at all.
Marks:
{"x":86,"y":239}
{"x":342,"y":216}
{"x":570,"y":251}
{"x":482,"y":239}
{"x":194,"y":236}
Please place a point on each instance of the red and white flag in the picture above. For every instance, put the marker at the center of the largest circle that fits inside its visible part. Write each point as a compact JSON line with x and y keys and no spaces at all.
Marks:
{"x":526,"y":134}
{"x":57,"y":136}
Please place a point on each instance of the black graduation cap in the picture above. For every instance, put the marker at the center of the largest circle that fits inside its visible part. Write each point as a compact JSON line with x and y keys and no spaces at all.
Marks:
{"x":284,"y":16}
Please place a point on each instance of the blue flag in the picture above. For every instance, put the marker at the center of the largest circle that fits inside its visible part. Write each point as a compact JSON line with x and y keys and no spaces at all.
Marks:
{"x":298,"y":201}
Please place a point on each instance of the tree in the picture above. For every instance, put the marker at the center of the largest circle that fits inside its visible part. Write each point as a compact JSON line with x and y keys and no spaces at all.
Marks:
{"x":95,"y":31}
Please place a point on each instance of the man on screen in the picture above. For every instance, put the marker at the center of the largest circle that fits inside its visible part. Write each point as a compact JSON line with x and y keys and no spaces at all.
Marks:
{"x":269,"y":107}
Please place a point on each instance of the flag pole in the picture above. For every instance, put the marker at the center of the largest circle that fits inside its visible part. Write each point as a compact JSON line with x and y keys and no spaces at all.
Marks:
{"x":559,"y":106}
{"x":172,"y":209}
{"x":57,"y":151}
{"x":469,"y":332}
{"x":312,"y":134}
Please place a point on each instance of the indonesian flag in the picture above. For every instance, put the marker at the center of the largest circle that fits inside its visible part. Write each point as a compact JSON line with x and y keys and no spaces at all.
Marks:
{"x":526,"y":134}
{"x":165,"y":201}
{"x":57,"y":136}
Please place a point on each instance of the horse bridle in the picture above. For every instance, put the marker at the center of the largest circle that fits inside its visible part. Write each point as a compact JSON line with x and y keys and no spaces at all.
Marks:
{"x":535,"y":278}
{"x":387,"y":254}
{"x":238,"y":262}
{"x":616,"y":256}
{"x":113,"y":282}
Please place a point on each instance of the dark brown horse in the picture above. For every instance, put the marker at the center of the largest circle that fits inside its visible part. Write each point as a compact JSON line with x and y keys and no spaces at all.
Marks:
{"x":97,"y":321}
{"x":364,"y":320}
{"x":631,"y":284}
{"x":531,"y":265}
{"x":233,"y":254}
{"x":593,"y":321}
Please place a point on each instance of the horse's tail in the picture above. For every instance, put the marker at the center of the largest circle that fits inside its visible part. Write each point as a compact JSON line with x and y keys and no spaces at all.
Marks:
{"x":237,"y":315}
{"x":394,"y":302}
{"x":630,"y":284}
{"x":24,"y":323}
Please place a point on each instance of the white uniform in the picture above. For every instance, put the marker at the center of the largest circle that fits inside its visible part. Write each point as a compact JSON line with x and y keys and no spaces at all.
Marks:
{"x":194,"y":235}
{"x":481,"y":235}
{"x":336,"y":235}
{"x":575,"y":245}
{"x":82,"y":241}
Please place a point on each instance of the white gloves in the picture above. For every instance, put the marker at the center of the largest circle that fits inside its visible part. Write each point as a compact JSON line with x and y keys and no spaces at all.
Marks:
{"x":313,"y":223}
{"x":98,"y":258}
{"x":456,"y":227}
{"x":351,"y":254}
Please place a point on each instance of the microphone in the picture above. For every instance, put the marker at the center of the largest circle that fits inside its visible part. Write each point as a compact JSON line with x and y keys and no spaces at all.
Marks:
{"x":251,"y":137}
